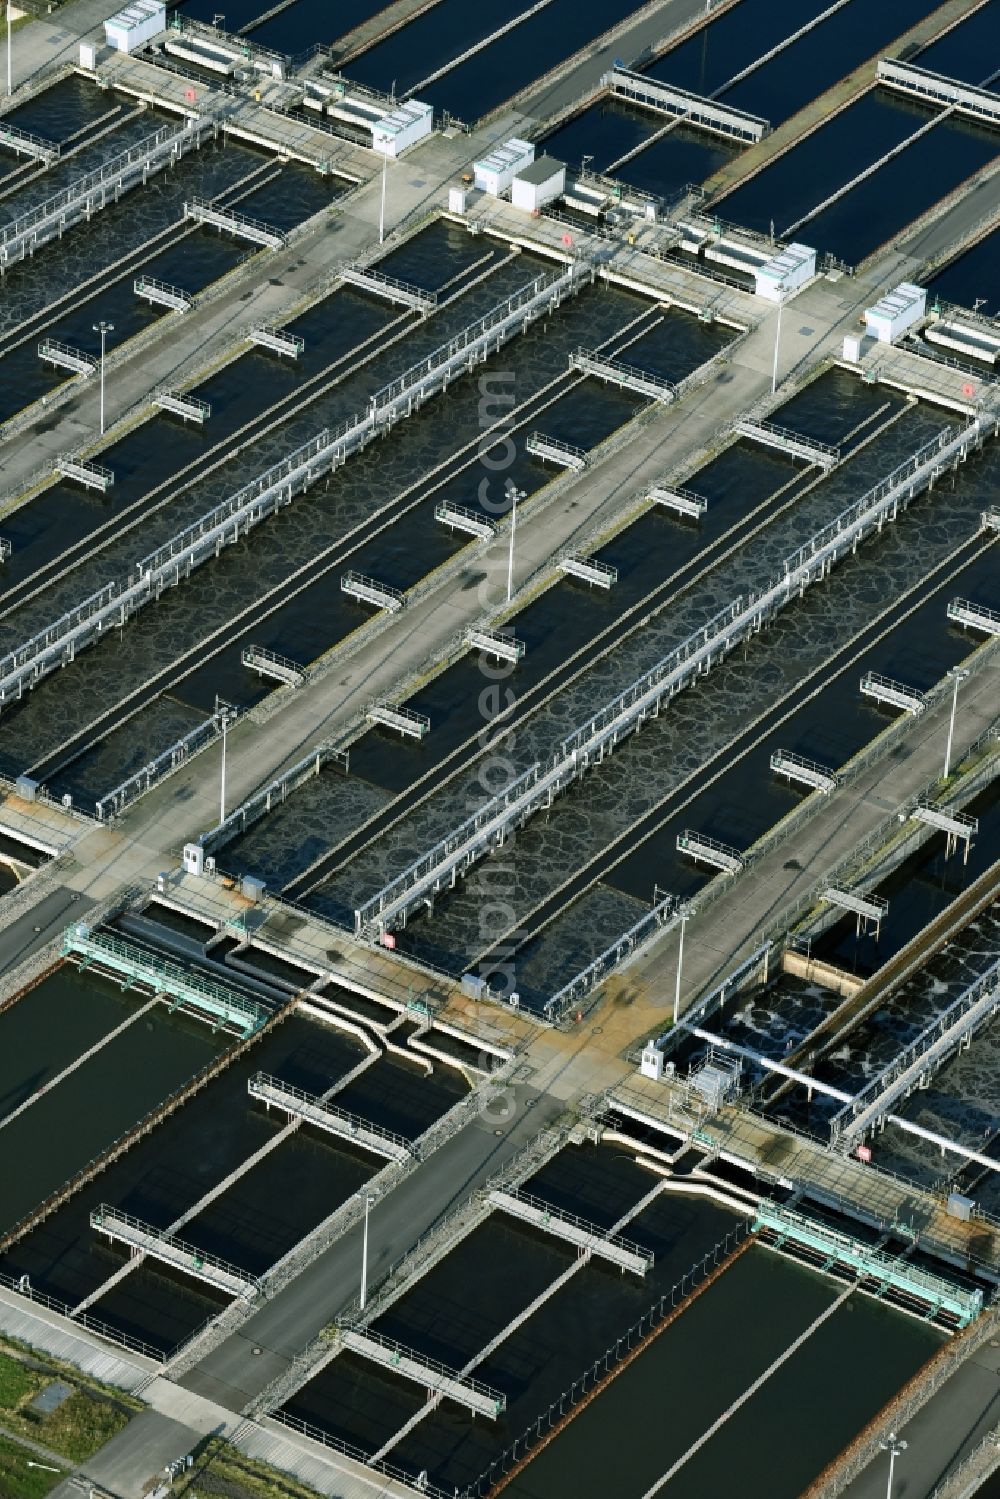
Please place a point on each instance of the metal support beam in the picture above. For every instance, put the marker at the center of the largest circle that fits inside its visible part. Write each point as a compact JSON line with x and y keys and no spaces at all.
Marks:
{"x":553,"y":450}
{"x":769,"y":436}
{"x":889,"y":1276}
{"x":274,"y":1092}
{"x":590,"y":570}
{"x":625,"y":376}
{"x":236,"y":224}
{"x":487,"y":829}
{"x":705,"y":850}
{"x":411,"y":725}
{"x":377,"y":284}
{"x":919,"y":1061}
{"x":142,"y":1238}
{"x":162,"y":294}
{"x":893,"y":694}
{"x":269,"y":664}
{"x":693,"y":109}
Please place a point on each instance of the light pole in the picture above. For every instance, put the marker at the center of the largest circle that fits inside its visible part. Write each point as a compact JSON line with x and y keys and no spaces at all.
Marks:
{"x":103,"y":328}
{"x":369,"y":1200}
{"x":381,"y":212}
{"x":895,"y":1447}
{"x":515,"y":495}
{"x":957,"y":675}
{"x":685,"y":915}
{"x":225,"y":712}
{"x":777,"y":341}
{"x":10,"y":84}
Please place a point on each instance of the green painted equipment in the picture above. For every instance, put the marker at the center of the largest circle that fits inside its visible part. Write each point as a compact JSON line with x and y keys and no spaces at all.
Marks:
{"x":221,"y":1007}
{"x":884,"y":1275}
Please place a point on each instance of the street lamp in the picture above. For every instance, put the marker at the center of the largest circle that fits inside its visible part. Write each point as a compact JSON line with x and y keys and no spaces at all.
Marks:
{"x":369,"y":1203}
{"x":10,"y":84}
{"x":515,"y":494}
{"x":777,"y":340}
{"x":957,"y":675}
{"x":684,"y":912}
{"x":225,"y":713}
{"x":381,"y":212}
{"x":895,"y":1447}
{"x":103,"y":328}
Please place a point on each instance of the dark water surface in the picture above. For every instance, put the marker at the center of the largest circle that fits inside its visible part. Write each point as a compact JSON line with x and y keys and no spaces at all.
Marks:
{"x":263,"y":1213}
{"x":704,"y":1361}
{"x":973,"y":277}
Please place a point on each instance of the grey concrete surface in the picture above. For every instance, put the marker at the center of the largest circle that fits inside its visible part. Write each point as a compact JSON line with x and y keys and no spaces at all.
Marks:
{"x":949,"y":1426}
{"x":39,"y":924}
{"x":134,"y":1459}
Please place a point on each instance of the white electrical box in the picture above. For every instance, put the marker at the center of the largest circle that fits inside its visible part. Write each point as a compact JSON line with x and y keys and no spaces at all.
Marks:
{"x":652,"y":1061}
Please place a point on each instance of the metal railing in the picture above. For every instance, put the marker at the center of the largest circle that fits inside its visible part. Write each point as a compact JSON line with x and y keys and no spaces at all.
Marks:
{"x":111,"y":804}
{"x":260,"y":803}
{"x":161,"y":292}
{"x":312,"y":1105}
{"x":147,"y":1238}
{"x":22,"y":1285}
{"x":50,"y":216}
{"x":270,"y":663}
{"x":584,"y":1225}
{"x":369,"y":278}
{"x":433,"y":1365}
{"x":24,"y":143}
{"x":705,"y":648}
{"x":796,"y":439}
{"x":932,"y":1047}
{"x":221,"y":1006}
{"x":59,"y":353}
{"x":628,"y":376}
{"x":662,"y":917}
{"x":239,"y":224}
{"x":357,"y":1454}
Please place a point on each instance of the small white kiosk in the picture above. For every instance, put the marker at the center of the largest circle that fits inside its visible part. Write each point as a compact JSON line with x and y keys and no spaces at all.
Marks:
{"x":540,"y":183}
